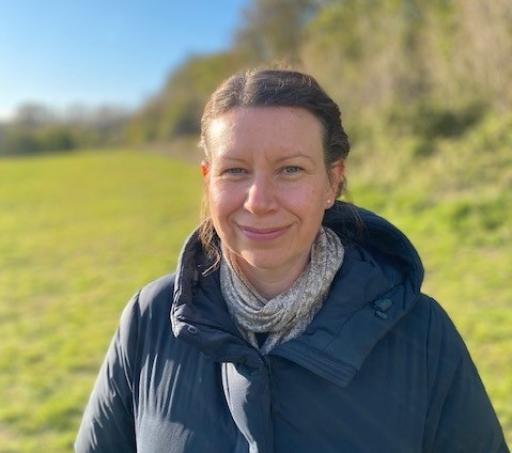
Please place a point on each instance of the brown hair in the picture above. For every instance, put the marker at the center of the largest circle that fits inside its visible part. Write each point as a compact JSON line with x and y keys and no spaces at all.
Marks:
{"x":272,"y":88}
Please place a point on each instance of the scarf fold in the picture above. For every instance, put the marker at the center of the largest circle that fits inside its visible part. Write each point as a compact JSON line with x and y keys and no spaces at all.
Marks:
{"x":288,"y":314}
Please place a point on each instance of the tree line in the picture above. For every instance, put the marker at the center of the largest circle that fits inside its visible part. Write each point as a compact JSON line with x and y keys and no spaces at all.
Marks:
{"x":37,"y":128}
{"x":428,"y":68}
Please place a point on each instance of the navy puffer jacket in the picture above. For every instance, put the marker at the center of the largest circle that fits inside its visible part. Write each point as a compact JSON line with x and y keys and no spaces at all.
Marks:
{"x":381,"y":368}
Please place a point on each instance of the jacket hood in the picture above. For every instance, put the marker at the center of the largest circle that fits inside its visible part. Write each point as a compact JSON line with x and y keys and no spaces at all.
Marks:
{"x":378,"y":283}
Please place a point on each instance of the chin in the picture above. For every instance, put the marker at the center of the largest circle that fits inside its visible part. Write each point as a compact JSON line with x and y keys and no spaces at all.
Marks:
{"x":263,"y":260}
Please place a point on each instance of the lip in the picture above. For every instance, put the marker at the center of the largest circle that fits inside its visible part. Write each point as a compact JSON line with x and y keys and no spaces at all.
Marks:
{"x":263,"y":234}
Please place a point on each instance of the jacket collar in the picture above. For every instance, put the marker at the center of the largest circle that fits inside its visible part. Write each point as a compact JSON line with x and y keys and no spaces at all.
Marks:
{"x":376,"y":286}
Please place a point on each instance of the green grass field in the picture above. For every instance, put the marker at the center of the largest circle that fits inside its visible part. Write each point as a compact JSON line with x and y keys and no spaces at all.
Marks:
{"x":81,"y":232}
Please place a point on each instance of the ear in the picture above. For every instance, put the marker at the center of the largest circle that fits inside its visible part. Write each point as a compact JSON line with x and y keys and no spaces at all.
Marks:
{"x":205,"y":169}
{"x":336,"y":173}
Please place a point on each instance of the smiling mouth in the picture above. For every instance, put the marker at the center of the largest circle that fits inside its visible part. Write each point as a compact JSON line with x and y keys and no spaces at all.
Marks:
{"x":263,"y":233}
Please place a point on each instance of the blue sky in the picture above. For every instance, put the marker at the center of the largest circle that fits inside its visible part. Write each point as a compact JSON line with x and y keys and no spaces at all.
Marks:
{"x":61,"y":52}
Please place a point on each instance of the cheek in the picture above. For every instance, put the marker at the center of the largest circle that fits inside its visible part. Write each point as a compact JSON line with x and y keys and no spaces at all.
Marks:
{"x":308,"y":197}
{"x":222,"y":201}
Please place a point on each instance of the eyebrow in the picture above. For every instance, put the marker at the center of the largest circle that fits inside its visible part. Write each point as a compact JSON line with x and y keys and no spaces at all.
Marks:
{"x":292,"y":156}
{"x":281,"y":159}
{"x":237,"y":159}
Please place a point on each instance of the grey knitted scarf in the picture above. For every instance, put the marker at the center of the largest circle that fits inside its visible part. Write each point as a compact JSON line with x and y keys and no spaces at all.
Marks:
{"x":288,"y":314}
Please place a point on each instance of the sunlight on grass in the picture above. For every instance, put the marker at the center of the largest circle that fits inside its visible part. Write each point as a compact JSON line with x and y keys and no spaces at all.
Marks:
{"x":81,"y":233}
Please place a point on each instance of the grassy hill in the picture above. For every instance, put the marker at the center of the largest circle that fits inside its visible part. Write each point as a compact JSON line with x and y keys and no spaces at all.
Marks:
{"x":80,"y":233}
{"x":455,"y":204}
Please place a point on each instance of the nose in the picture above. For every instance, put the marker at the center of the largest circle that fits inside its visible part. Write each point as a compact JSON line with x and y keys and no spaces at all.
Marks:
{"x":260,"y":197}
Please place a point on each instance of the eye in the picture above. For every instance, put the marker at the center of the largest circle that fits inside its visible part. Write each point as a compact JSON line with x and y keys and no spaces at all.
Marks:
{"x":235,"y":171}
{"x":292,"y":170}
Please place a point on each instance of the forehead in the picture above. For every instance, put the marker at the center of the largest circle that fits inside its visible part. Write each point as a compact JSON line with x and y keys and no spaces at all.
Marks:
{"x":265,"y":129}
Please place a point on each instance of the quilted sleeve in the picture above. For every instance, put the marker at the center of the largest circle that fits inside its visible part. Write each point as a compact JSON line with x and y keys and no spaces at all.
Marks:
{"x":460,"y":417}
{"x":108,"y":421}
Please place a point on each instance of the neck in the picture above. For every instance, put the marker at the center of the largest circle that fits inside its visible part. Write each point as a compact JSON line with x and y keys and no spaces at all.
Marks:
{"x":269,"y":282}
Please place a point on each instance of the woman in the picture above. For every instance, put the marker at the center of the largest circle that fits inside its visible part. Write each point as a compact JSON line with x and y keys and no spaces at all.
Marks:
{"x":296,"y":321}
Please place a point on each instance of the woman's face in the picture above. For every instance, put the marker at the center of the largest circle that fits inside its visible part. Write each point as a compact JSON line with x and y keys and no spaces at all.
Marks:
{"x":268,"y":185}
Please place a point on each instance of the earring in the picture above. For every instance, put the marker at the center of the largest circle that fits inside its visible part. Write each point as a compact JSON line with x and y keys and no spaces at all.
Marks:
{"x":328,"y":201}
